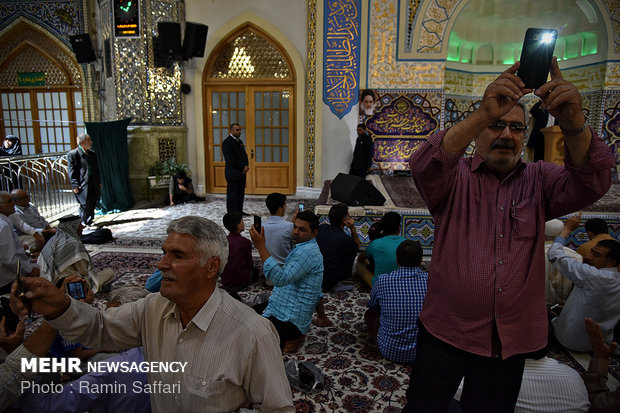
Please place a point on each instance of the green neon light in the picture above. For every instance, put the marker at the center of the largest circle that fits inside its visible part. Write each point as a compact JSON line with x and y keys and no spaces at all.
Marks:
{"x":126,"y":9}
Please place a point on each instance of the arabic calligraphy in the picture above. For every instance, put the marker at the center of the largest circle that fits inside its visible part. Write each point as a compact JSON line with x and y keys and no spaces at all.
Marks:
{"x":31,"y":79}
{"x":395,"y":150}
{"x":402,"y":117}
{"x":341,"y":55}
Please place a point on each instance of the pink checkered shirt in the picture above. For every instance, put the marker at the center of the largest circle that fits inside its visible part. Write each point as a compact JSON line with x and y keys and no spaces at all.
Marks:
{"x":488,"y":253}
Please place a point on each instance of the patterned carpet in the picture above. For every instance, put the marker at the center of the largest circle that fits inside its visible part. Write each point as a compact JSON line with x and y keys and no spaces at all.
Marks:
{"x":357,"y":378}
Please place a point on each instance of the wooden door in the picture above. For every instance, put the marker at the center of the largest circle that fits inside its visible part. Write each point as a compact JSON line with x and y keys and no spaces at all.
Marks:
{"x":265,"y":114}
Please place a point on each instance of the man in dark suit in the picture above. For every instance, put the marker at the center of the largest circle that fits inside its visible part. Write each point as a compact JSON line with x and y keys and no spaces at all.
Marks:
{"x":235,"y":170}
{"x":84,"y":177}
{"x":362,"y":153}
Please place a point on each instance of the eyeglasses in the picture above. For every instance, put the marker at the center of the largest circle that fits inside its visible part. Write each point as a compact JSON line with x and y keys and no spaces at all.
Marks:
{"x":513,"y":126}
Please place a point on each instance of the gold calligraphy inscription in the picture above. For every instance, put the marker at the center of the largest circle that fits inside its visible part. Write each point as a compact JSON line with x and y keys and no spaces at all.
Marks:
{"x":341,"y":63}
{"x":612,"y":79}
{"x":384,"y":70}
{"x":395,"y":150}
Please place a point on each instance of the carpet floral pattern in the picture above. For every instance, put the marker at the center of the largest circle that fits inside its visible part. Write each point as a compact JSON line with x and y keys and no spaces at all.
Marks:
{"x":357,"y":378}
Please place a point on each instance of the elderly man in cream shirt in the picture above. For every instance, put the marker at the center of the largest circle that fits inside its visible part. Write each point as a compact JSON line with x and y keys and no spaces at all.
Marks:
{"x":232,"y":354}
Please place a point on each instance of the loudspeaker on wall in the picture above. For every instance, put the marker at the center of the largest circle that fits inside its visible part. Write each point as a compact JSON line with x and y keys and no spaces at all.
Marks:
{"x":195,"y":40}
{"x":83,"y":48}
{"x":169,"y":43}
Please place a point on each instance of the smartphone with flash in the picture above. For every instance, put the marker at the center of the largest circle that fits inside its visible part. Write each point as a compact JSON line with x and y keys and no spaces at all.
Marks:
{"x":301,"y":206}
{"x":76,"y":290}
{"x":257,"y":223}
{"x":536,"y":55}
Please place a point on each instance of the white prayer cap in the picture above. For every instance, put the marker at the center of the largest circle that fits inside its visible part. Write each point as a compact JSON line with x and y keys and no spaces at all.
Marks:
{"x":553,"y":227}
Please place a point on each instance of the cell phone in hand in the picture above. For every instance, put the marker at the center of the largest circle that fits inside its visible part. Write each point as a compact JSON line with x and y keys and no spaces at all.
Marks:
{"x":76,"y":290}
{"x":301,"y":206}
{"x":536,"y":55}
{"x":257,"y":223}
{"x":11,"y":319}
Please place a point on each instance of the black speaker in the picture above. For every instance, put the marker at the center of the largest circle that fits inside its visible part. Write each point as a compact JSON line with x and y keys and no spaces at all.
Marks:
{"x":159,"y":60}
{"x":353,"y":190}
{"x":170,"y":40}
{"x":195,"y":40}
{"x":83,"y":48}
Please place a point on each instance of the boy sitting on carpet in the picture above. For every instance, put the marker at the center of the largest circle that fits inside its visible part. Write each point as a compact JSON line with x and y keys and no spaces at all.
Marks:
{"x":395,"y":304}
{"x":239,"y":269}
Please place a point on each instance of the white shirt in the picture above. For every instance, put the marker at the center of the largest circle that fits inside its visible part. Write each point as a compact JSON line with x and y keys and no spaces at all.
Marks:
{"x":22,"y":226}
{"x":11,"y":250}
{"x":557,"y":286}
{"x":549,"y":386}
{"x":278,"y":237}
{"x":31,"y":216}
{"x":596,"y":295}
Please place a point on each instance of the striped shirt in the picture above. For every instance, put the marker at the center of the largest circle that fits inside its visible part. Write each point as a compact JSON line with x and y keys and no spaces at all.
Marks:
{"x":297,"y":285}
{"x":232,"y":354}
{"x":398,"y":297}
{"x":488,"y":263}
{"x":549,"y":386}
{"x":30,"y":215}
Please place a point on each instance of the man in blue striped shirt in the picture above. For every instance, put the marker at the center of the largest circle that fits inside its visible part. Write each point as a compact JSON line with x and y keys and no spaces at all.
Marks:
{"x":297,"y":283}
{"x":396,"y":301}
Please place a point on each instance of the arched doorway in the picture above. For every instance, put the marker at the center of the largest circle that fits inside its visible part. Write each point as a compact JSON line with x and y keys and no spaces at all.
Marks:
{"x":40,"y":91}
{"x":249,"y":79}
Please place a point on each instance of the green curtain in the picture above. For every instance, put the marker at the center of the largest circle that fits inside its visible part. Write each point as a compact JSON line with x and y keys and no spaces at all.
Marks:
{"x":110,"y":145}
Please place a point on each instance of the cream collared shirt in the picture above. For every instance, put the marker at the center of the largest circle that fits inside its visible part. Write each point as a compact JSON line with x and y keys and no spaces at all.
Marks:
{"x":233,"y":355}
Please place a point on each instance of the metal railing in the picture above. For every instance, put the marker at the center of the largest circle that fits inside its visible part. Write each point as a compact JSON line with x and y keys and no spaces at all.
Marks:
{"x":46,"y":180}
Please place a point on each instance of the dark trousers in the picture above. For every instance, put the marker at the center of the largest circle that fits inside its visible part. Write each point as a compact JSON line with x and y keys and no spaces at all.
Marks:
{"x":88,"y":198}
{"x":286,"y":330}
{"x":183,"y":198}
{"x":491,"y":384}
{"x":235,"y":191}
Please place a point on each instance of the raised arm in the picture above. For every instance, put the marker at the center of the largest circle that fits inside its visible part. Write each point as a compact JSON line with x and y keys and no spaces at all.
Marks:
{"x":563,"y":101}
{"x":498,"y":99}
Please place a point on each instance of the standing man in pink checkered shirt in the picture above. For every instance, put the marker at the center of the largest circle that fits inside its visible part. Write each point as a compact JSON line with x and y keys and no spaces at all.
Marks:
{"x":485,"y":305}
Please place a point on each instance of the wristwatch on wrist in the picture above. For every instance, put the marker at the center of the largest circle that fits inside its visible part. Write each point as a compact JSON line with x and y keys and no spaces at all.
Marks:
{"x":574,"y":132}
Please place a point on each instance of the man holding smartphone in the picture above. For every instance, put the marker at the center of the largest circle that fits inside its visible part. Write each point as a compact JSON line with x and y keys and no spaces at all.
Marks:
{"x":485,"y":305}
{"x":229,"y":350}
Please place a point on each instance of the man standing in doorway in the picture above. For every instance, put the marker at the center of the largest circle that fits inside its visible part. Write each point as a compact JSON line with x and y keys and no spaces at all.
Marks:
{"x":235,"y":170}
{"x":84,"y":177}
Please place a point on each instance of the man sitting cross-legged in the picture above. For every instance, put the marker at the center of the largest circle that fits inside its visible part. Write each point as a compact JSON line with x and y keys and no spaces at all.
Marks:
{"x":383,"y":250}
{"x":338,"y":250}
{"x":297,"y":283}
{"x":65,"y":254}
{"x":277,"y":229}
{"x":32,"y":228}
{"x":596,"y":293}
{"x":395,"y":304}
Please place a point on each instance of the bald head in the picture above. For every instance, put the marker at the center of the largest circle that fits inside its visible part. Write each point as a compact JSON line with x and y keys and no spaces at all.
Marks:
{"x":20,"y":197}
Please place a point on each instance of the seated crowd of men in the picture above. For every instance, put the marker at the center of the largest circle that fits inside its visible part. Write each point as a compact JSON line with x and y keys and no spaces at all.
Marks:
{"x":478,"y":317}
{"x":302,"y":260}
